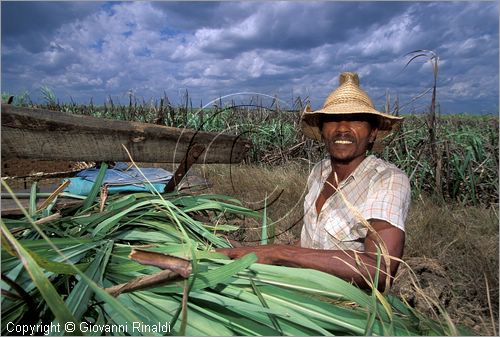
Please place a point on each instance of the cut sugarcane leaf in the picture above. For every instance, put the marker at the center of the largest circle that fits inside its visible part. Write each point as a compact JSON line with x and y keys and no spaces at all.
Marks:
{"x":47,"y":290}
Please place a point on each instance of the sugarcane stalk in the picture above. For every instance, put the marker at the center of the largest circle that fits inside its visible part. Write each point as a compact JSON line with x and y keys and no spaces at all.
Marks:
{"x":176,"y":264}
{"x":144,"y":282}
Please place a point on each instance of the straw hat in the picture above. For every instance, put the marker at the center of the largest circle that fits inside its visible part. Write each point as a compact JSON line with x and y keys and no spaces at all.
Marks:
{"x":348,"y":98}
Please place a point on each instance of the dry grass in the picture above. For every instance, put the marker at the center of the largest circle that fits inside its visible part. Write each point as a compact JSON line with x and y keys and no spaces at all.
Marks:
{"x":460,"y":242}
{"x":464,"y":241}
{"x":284,"y":187}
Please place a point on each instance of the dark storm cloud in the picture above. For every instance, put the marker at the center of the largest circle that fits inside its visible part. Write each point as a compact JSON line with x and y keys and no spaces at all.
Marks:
{"x":32,"y":23}
{"x":98,"y":50}
{"x":294,"y":25}
{"x":193,"y":15}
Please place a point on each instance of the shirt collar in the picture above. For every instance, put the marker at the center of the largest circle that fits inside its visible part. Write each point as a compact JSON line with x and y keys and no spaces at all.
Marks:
{"x":356,"y":174}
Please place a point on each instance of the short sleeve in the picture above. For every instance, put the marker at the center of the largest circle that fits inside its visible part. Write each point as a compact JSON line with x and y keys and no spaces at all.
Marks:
{"x":389,"y":198}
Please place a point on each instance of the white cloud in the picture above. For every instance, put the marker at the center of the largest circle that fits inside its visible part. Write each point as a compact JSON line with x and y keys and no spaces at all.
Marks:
{"x":460,"y":89}
{"x":395,"y":37}
{"x":251,"y":46}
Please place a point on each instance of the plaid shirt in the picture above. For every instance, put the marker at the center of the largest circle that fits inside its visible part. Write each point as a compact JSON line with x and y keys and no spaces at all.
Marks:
{"x":377,"y":190}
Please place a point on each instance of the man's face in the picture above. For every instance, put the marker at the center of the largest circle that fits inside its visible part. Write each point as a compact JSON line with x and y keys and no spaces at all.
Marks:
{"x":347,"y":137}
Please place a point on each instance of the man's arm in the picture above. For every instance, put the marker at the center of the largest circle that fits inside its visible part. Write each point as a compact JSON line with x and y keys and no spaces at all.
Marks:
{"x":336,"y":262}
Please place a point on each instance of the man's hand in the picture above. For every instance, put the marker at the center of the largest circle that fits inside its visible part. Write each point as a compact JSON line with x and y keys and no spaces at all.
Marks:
{"x":267,"y":254}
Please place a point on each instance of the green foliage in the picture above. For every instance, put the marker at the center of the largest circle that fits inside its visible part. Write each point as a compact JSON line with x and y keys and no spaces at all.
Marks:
{"x":49,"y":97}
{"x":23,"y":99}
{"x":467,"y":148}
{"x":224,"y":297}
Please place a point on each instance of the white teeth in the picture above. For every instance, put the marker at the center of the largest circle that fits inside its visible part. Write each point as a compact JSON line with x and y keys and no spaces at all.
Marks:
{"x":343,"y":142}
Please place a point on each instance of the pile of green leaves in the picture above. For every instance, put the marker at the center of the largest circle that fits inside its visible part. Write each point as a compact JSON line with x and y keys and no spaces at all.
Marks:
{"x":57,"y":271}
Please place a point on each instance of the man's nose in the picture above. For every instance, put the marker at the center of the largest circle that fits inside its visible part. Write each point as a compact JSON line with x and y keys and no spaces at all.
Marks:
{"x":343,"y":126}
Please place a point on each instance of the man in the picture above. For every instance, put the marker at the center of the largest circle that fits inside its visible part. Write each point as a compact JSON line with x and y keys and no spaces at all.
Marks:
{"x":356,"y":205}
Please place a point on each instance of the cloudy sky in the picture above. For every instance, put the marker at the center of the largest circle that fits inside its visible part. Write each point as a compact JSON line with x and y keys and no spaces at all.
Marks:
{"x":84,"y":50}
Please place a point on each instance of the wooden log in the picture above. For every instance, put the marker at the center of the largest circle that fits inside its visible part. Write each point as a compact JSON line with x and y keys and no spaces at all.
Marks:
{"x":52,"y":135}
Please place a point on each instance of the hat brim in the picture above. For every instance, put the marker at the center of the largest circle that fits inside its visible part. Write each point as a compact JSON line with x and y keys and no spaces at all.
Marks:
{"x":388,"y":123}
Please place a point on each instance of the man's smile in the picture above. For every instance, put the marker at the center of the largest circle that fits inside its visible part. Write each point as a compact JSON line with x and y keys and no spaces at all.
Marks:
{"x":340,"y":141}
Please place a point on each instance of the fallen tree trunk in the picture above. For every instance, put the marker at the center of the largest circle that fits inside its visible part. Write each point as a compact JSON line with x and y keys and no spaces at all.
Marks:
{"x":52,"y":135}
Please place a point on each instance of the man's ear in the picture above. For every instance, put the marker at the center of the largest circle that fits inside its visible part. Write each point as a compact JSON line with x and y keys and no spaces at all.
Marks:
{"x":373,"y":135}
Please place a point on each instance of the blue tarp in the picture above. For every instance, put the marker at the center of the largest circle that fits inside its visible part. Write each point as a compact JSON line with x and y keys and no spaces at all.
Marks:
{"x":120,"y":179}
{"x":81,"y":186}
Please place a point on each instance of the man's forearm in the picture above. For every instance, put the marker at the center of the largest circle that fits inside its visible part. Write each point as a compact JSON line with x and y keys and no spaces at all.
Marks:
{"x":348,"y":265}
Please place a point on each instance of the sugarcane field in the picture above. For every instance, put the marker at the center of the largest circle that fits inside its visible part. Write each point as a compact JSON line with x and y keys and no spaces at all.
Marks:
{"x":106,"y":259}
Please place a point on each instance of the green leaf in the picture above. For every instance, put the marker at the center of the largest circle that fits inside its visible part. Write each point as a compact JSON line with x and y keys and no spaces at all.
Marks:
{"x":56,"y":267}
{"x":265,"y":305}
{"x":215,"y":276}
{"x":91,"y":197}
{"x":47,"y":290}
{"x":80,"y":296}
{"x":263,"y":237}
{"x":121,"y":203}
